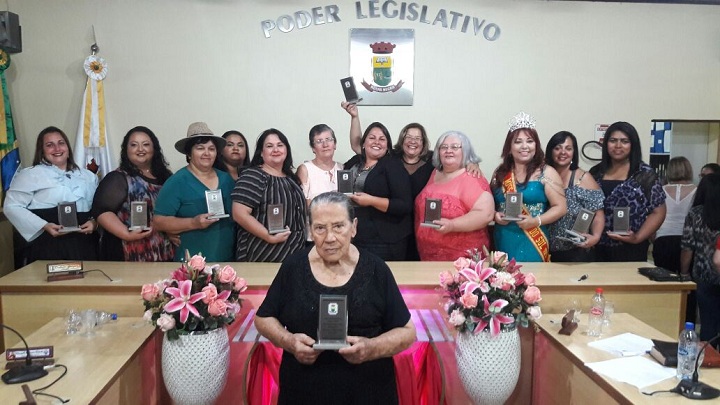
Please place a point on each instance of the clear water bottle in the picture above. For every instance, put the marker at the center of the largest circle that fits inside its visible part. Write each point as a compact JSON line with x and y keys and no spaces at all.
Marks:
{"x":688,"y":343}
{"x":597,"y":310}
{"x":105,"y":317}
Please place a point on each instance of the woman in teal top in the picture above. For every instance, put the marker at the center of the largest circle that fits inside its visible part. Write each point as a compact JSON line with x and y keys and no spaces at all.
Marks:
{"x":181,"y":207}
{"x":523,"y":171}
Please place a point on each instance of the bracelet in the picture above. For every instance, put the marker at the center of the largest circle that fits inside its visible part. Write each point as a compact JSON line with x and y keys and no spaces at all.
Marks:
{"x":539,"y":221}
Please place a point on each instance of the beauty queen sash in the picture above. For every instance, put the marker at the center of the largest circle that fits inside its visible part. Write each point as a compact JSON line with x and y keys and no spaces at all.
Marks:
{"x":536,"y":235}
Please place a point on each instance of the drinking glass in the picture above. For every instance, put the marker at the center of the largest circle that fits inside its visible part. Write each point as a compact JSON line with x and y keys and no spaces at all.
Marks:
{"x":72,"y":322}
{"x":574,"y":304}
{"x":608,"y":313}
{"x":89,"y":319}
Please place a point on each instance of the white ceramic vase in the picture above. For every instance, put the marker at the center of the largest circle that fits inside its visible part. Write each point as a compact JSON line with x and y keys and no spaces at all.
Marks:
{"x":195,"y":367}
{"x":489,"y":367}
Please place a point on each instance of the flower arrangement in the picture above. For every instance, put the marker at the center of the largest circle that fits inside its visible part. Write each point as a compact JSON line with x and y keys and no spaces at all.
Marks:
{"x":195,"y":298}
{"x":489,"y":292}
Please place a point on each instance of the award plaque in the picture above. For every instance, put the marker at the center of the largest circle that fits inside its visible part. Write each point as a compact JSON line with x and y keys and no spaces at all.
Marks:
{"x":215,"y":205}
{"x":433,"y":212}
{"x":513,"y":206}
{"x":621,"y":221}
{"x":348,"y":86}
{"x":138,"y":215}
{"x":345,"y":181}
{"x":67,"y":217}
{"x":581,"y":226}
{"x":332,"y":323}
{"x":275,"y":218}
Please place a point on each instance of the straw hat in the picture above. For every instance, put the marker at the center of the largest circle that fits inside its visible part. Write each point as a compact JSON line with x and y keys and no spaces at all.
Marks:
{"x":199,"y":129}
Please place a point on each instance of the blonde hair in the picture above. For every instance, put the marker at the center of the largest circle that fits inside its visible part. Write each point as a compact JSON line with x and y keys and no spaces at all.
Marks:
{"x":679,"y":169}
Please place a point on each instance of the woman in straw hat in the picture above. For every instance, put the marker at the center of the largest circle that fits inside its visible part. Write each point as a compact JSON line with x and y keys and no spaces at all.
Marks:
{"x":181,"y":207}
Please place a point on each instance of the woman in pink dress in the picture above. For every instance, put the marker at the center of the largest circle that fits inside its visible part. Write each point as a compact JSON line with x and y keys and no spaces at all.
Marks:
{"x":467,"y":204}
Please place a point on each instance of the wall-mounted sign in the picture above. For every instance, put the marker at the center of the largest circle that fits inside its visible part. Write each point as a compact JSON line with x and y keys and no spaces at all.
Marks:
{"x":383,"y":62}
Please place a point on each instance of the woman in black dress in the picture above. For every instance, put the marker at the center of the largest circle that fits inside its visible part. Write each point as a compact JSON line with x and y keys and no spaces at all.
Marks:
{"x":379,"y":324}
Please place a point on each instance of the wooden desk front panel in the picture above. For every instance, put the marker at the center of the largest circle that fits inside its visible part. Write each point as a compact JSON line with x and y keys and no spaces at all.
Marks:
{"x":104,"y":368}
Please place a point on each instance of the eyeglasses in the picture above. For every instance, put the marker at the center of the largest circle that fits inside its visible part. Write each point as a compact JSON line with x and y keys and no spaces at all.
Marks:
{"x":454,"y":147}
{"x":322,"y":141}
{"x":413,"y":138}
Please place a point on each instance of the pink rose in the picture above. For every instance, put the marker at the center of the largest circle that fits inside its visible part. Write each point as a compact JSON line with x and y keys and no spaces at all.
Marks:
{"x":217,"y":308}
{"x":534,"y":312}
{"x":469,"y":300}
{"x":461,"y":263}
{"x":233,"y":308}
{"x":457,"y":318}
{"x":166,"y":322}
{"x":150,"y":292}
{"x":530,"y":279}
{"x":227,"y":274}
{"x":446,"y":278}
{"x":210,"y":293}
{"x":240,"y":284}
{"x":532,"y":295}
{"x":197,"y":262}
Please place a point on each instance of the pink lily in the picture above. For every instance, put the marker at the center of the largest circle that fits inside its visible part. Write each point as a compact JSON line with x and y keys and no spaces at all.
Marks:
{"x":183,"y":301}
{"x":496,"y":317}
{"x":476,"y":278}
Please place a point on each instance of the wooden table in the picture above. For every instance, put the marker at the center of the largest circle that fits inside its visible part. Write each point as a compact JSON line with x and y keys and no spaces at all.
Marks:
{"x":560,"y":374}
{"x":661,"y":305}
{"x":104,"y":368}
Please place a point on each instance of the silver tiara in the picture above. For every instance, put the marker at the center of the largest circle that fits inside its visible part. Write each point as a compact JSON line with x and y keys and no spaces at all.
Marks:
{"x":522,"y":120}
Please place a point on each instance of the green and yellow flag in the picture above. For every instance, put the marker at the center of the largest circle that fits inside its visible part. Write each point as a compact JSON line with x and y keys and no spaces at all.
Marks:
{"x":9,"y":154}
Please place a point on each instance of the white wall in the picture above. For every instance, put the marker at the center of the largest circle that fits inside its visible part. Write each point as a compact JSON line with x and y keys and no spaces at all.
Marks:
{"x":172,"y":62}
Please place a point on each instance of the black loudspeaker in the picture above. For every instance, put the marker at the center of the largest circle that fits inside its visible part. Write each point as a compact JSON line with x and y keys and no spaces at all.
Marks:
{"x":10,"y":32}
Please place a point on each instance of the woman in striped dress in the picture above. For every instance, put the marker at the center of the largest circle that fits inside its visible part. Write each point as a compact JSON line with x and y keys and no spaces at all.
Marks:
{"x":268,"y":182}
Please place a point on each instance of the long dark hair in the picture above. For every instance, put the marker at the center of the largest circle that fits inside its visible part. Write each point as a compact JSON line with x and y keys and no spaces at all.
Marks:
{"x":220,"y":161}
{"x":708,"y":195}
{"x":367,"y":132}
{"x":635,"y":149}
{"x":508,"y":162}
{"x":158,"y":164}
{"x":257,"y":159}
{"x":558,"y":139}
{"x":40,"y":156}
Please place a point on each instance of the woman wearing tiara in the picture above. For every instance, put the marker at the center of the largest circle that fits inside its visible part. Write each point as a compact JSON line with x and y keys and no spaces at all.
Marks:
{"x":523,"y":170}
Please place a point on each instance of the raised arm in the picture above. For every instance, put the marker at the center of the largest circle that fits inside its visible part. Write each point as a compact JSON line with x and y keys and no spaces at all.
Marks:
{"x":355,"y":131}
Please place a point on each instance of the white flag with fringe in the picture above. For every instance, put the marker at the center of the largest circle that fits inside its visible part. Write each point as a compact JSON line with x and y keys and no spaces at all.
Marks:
{"x":92,"y":145}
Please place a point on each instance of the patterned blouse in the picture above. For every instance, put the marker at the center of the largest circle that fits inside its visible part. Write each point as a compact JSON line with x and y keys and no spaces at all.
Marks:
{"x":641,"y":192}
{"x":577,"y":198}
{"x":701,"y":240}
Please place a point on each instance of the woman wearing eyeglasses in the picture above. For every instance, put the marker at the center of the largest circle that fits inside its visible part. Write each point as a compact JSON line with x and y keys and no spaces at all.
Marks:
{"x":627,"y":182}
{"x":466,"y":203}
{"x":319,"y":175}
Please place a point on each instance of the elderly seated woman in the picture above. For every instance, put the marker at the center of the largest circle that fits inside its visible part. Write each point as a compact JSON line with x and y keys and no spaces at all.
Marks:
{"x":379,"y":324}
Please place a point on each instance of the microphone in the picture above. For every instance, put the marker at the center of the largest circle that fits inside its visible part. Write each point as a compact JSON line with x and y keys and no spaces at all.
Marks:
{"x":26,"y":372}
{"x":694,"y":389}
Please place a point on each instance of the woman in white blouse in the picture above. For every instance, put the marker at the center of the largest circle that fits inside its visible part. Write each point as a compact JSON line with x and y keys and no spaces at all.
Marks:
{"x":320,"y":174}
{"x":31,"y":203}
